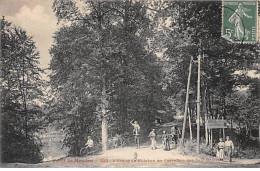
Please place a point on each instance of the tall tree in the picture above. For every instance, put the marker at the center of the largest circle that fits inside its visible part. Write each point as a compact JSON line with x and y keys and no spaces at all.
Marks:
{"x":108,"y":50}
{"x":21,"y":88}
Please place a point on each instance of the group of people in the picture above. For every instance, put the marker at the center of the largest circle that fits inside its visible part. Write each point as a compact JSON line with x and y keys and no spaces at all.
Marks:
{"x":223,"y":147}
{"x":167,"y":139}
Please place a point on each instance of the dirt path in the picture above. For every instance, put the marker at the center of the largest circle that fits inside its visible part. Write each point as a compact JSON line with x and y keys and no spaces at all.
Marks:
{"x":145,"y":157}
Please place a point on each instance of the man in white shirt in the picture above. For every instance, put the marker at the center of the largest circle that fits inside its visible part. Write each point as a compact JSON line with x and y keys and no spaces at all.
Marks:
{"x":89,"y":145}
{"x":136,"y":133}
{"x":229,"y":146}
{"x":136,"y":127}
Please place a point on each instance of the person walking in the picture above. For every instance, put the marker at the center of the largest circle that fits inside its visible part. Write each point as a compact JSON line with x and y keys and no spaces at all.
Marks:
{"x":152,"y":136}
{"x":220,"y":148}
{"x":229,"y":146}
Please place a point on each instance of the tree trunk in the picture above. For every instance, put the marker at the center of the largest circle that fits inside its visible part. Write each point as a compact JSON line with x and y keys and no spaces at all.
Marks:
{"x":104,"y":118}
{"x":104,"y":102}
{"x":104,"y":134}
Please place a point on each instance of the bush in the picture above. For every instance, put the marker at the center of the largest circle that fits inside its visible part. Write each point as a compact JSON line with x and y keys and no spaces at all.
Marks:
{"x":121,"y":140}
{"x":189,"y":148}
{"x":18,"y":148}
{"x":248,"y":153}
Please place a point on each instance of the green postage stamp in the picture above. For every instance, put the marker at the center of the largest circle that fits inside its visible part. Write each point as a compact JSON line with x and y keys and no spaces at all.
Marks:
{"x":239,"y":20}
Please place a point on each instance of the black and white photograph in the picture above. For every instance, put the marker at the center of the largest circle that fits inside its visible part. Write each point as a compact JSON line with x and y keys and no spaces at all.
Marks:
{"x":130,"y":83}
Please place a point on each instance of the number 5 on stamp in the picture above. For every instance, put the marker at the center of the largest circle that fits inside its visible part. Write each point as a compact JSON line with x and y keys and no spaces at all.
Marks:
{"x":239,"y":20}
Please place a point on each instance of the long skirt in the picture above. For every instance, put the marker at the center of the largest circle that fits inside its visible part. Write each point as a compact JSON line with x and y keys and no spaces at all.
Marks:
{"x":153,"y":143}
{"x":221,"y":154}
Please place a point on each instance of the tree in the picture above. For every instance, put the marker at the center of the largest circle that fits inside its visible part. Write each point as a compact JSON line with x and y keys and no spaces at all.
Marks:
{"x":185,"y":28}
{"x":108,"y":51}
{"x":243,"y":106}
{"x":21,"y":88}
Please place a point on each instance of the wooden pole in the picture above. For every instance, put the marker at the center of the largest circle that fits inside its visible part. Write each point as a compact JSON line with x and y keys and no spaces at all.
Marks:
{"x":1,"y":20}
{"x":223,"y":130}
{"x":190,"y":125}
{"x":205,"y":116}
{"x":198,"y":107}
{"x":211,"y":139}
{"x":259,"y":134}
{"x":186,"y":103}
{"x":1,"y":115}
{"x":206,"y":130}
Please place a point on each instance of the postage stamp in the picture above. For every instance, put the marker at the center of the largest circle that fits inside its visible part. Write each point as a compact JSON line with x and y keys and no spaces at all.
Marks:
{"x":239,"y":20}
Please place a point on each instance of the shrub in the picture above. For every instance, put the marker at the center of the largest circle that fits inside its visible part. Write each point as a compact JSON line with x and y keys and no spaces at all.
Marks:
{"x":121,"y":140}
{"x":18,"y":148}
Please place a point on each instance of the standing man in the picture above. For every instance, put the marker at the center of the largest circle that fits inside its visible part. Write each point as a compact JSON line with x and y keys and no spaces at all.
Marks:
{"x":230,"y":148}
{"x":174,"y":135}
{"x":152,"y":136}
{"x":136,"y":133}
{"x":165,"y":141}
{"x":178,"y":134}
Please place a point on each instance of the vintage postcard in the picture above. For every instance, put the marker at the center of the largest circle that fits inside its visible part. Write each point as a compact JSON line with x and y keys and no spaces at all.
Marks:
{"x":130,"y":83}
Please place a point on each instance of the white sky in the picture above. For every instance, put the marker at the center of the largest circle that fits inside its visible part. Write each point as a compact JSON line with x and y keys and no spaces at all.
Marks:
{"x":37,"y":18}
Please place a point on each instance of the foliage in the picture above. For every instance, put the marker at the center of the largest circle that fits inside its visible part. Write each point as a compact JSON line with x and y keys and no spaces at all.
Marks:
{"x":122,"y":140}
{"x":244,"y":110}
{"x":21,"y":90}
{"x":132,"y":57}
{"x":106,"y":49}
{"x":187,"y":29}
{"x":248,"y":153}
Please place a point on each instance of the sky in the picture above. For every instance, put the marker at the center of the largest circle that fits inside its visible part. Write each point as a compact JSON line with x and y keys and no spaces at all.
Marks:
{"x":37,"y":18}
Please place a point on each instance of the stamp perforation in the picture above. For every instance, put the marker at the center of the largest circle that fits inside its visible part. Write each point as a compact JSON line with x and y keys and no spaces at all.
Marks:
{"x":235,"y":18}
